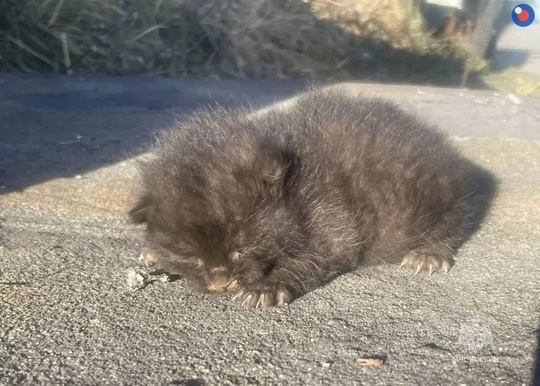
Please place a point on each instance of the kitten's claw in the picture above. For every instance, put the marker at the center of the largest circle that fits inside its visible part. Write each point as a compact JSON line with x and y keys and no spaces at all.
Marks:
{"x":258,"y":299}
{"x":247,"y":300}
{"x":282,"y":298}
{"x":238,"y":295}
{"x":423,"y":262}
{"x":261,"y":301}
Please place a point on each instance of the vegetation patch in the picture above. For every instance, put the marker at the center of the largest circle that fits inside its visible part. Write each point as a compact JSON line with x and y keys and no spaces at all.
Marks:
{"x":308,"y":39}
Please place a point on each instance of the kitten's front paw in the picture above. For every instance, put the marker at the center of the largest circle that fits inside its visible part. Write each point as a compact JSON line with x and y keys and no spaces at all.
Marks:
{"x":261,"y":299}
{"x":229,"y":286}
{"x":424,"y":262}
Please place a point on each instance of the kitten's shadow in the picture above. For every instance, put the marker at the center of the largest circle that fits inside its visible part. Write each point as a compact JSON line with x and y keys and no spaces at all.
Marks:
{"x":172,"y":276}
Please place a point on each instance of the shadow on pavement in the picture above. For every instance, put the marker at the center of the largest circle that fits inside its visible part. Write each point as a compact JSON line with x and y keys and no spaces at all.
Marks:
{"x":536,"y":367}
{"x":189,"y":382}
{"x":505,"y":59}
{"x":60,"y":127}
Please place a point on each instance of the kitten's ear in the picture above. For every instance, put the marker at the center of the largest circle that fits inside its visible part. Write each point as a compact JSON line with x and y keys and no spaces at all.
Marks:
{"x":278,"y":166}
{"x":139,"y":213}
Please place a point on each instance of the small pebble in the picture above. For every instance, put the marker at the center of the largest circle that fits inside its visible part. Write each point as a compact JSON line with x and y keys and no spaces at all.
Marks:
{"x":134,"y":279}
{"x":138,"y":279}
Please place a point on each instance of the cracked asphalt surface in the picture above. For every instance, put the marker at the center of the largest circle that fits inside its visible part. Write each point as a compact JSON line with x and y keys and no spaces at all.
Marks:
{"x":67,"y":151}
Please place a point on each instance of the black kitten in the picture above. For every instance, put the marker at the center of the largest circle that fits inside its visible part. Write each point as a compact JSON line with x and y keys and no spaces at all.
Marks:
{"x":272,"y":205}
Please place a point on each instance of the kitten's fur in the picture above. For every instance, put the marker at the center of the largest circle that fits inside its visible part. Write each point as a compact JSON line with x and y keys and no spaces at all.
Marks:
{"x":275,"y":204}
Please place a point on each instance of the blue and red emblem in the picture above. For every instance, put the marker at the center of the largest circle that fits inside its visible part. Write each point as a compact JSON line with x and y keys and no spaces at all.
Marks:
{"x":523,"y":15}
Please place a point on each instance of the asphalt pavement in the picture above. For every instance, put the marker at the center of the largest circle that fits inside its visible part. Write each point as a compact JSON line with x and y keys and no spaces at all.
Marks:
{"x":67,"y":317}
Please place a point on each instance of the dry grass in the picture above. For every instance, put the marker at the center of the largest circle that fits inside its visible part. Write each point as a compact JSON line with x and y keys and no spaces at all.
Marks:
{"x":514,"y":81}
{"x":311,"y":39}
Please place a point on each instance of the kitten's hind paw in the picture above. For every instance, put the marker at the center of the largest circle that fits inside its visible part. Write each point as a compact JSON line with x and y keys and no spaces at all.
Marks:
{"x":420,"y":262}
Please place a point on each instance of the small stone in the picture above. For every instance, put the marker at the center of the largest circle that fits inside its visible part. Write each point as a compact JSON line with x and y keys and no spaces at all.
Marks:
{"x":134,"y":279}
{"x":164,"y":278}
{"x":138,"y":279}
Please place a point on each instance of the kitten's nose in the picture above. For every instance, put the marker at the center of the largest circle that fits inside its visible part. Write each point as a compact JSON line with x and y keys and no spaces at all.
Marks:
{"x":147,"y":258}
